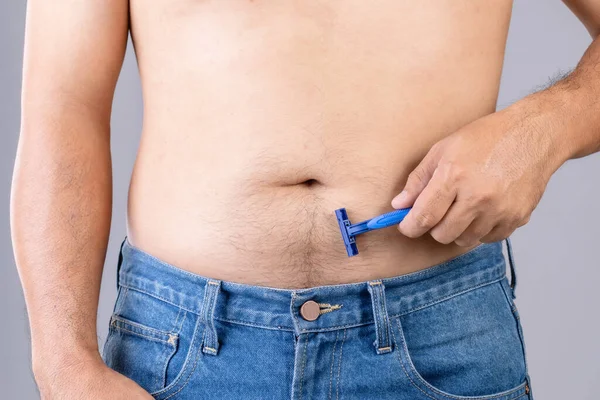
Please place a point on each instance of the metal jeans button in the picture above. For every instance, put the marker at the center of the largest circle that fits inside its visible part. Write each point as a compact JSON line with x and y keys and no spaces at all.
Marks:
{"x":310,"y":310}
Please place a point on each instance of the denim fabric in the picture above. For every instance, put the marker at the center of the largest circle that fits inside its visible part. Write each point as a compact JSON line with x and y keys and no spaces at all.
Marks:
{"x":448,"y":332}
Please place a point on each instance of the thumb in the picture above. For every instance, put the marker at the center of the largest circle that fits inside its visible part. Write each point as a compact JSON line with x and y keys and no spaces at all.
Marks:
{"x":417,"y":180}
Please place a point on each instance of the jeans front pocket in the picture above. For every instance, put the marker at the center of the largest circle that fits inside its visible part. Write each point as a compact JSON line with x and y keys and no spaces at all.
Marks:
{"x":464,"y":347}
{"x":152,"y":342}
{"x":140,"y":352}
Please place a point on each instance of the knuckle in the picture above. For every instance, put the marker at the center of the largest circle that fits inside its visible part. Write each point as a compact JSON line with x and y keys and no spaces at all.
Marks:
{"x":470,"y":238}
{"x":481,"y":233}
{"x":501,"y":210}
{"x":496,"y":236}
{"x":417,"y":176}
{"x":517,"y":219}
{"x":470,"y":197}
{"x":489,"y":239}
{"x":441,"y":236}
{"x":483,"y":198}
{"x":408,"y":232}
{"x":424,"y":220}
{"x":454,"y":171}
{"x":463,"y":242}
{"x":525,"y":220}
{"x":486,"y":197}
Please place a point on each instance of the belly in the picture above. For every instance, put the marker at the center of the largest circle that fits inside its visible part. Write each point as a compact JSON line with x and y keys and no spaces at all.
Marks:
{"x":262,"y":118}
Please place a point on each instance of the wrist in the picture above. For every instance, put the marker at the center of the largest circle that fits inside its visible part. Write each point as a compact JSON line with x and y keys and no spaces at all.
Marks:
{"x":47,"y":364}
{"x":547,"y":117}
{"x":570,"y":113}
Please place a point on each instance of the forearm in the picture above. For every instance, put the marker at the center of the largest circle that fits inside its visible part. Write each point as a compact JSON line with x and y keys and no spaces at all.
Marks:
{"x":568,"y":112}
{"x":61,"y":205}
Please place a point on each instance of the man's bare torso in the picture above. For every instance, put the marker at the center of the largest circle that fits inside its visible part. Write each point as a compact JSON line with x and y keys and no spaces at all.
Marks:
{"x":262,"y":118}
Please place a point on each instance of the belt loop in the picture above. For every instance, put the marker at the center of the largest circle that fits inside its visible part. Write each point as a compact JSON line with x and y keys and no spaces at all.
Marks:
{"x":513,"y":273}
{"x":120,"y":261}
{"x":382,"y":325}
{"x":210,"y":345}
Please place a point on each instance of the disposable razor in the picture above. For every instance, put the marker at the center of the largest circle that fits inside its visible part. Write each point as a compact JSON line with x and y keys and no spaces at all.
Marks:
{"x":350,"y":231}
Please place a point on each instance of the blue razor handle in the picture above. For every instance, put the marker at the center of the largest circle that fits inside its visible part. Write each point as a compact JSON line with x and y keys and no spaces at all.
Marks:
{"x":349,"y":231}
{"x":388,"y":219}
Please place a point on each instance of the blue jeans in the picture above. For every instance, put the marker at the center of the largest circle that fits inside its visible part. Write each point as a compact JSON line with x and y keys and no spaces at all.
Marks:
{"x":448,"y":332}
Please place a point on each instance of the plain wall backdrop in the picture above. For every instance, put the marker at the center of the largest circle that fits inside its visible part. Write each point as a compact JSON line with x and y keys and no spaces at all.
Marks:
{"x":556,"y":254}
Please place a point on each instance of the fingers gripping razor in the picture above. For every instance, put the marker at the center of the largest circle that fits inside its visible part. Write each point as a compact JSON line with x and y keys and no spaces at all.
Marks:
{"x":350,"y":231}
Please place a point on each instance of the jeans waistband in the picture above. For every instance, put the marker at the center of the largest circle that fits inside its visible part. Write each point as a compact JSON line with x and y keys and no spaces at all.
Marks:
{"x":341,"y":305}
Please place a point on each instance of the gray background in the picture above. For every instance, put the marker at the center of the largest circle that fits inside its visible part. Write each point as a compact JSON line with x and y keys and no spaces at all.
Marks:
{"x":556,"y":254}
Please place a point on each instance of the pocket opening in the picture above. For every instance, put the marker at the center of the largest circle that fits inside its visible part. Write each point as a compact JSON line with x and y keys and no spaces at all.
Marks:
{"x":405,"y":355}
{"x":189,"y":364}
{"x":515,"y":313}
{"x":135,"y":328}
{"x":152,"y":342}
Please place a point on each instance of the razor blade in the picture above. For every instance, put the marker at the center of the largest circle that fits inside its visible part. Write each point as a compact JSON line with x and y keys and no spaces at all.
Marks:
{"x":350,"y":231}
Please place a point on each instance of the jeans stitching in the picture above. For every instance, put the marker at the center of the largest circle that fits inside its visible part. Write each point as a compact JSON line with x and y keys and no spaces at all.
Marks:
{"x":205,"y":319}
{"x":207,"y":309}
{"x":191,"y":372}
{"x":303,"y":364}
{"x":158,"y":297}
{"x":177,"y":332}
{"x":383,"y":317}
{"x":160,"y":379}
{"x":293,"y":311}
{"x":380,"y":320}
{"x":121,"y":324}
{"x":235,"y":321}
{"x":120,"y":306}
{"x":166,"y":352}
{"x":376,"y":315}
{"x":179,"y":311}
{"x":399,"y":355}
{"x":332,"y":327}
{"x":152,"y":338}
{"x":515,"y":313}
{"x":185,"y":313}
{"x":441,"y":299}
{"x":198,"y":351}
{"x":332,"y":362}
{"x":204,"y":306}
{"x":231,"y":320}
{"x":337,"y":389}
{"x":238,"y":322}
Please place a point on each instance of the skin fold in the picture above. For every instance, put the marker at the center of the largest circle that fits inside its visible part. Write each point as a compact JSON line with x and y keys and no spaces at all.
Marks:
{"x":260,"y":119}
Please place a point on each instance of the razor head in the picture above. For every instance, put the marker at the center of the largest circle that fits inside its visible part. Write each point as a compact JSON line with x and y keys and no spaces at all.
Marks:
{"x":349,"y":240}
